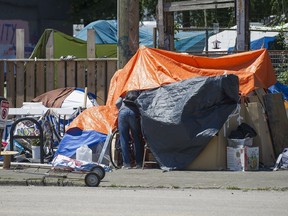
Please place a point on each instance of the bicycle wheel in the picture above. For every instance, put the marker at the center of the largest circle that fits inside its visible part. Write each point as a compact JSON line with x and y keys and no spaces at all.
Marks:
{"x":115,"y":150}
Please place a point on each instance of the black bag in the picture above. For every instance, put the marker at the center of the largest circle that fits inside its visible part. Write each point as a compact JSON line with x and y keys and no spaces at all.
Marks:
{"x":131,"y":97}
{"x":243,"y":131}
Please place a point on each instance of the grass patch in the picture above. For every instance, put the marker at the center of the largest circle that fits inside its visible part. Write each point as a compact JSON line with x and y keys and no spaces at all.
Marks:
{"x":257,"y":189}
{"x":233,"y":188}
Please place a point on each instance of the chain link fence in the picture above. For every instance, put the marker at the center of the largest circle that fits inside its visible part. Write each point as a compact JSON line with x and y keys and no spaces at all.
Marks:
{"x":279,"y":60}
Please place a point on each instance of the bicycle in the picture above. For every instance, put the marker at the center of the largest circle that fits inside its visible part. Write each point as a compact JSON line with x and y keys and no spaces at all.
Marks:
{"x":115,"y":152}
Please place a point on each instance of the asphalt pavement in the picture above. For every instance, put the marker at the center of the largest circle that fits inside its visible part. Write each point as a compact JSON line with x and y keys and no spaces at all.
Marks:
{"x":38,"y":174}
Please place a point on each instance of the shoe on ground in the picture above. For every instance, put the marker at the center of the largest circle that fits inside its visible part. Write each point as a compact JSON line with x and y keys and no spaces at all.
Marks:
{"x":126,"y":167}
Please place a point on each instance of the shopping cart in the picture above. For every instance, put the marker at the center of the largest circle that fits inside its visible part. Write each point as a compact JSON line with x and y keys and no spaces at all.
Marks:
{"x":64,"y":168}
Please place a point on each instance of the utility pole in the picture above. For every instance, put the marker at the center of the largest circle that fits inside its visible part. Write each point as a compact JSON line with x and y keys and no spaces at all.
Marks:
{"x":242,"y":21}
{"x":165,"y":25}
{"x":128,"y":30}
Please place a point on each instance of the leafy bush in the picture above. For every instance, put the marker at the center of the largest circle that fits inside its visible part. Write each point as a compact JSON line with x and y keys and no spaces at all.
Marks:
{"x":283,"y":77}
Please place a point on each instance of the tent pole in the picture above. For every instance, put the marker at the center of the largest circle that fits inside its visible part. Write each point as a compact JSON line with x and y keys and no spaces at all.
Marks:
{"x":85,"y":98}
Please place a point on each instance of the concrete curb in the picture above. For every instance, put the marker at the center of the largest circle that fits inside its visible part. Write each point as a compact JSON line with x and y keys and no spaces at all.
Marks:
{"x":156,"y":178}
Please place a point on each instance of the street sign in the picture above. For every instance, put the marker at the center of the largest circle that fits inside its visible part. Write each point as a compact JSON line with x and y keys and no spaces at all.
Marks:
{"x":4,"y":109}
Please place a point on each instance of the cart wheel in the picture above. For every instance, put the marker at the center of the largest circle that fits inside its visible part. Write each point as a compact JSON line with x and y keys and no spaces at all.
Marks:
{"x":92,"y":179}
{"x":99,"y":170}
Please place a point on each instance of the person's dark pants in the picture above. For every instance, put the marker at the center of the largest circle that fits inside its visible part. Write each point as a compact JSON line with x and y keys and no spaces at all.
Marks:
{"x":128,"y":121}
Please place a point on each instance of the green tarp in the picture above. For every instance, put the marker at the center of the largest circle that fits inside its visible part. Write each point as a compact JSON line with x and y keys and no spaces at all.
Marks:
{"x":65,"y":45}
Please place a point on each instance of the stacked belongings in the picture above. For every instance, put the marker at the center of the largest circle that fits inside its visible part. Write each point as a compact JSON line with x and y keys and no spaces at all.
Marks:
{"x":155,"y":72}
{"x":28,"y":134}
{"x":241,"y":156}
{"x":243,"y":136}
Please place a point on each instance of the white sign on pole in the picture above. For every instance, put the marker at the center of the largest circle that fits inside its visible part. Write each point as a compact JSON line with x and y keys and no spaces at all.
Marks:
{"x":77,"y":28}
{"x":4,"y":109}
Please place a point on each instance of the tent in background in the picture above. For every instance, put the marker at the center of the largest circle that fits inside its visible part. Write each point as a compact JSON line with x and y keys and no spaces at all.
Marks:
{"x":106,"y":33}
{"x":190,"y":41}
{"x":152,"y":68}
{"x":69,"y":97}
{"x":65,"y":45}
{"x":227,"y":39}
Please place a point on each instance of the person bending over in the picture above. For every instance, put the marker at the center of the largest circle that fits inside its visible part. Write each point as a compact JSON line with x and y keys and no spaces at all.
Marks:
{"x":129,"y":125}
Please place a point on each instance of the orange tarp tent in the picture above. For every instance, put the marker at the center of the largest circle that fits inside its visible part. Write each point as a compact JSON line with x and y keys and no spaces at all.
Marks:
{"x":151,"y":68}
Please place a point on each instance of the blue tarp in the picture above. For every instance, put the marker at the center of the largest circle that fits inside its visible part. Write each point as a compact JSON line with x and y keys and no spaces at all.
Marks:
{"x":263,"y":42}
{"x":279,"y":88}
{"x":106,"y":33}
{"x":75,"y":138}
{"x":190,"y":41}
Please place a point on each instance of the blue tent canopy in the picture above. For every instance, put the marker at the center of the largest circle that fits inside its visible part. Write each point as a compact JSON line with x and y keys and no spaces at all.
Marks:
{"x":262,"y":42}
{"x":186,"y":41}
{"x":106,"y":33}
{"x":258,"y":44}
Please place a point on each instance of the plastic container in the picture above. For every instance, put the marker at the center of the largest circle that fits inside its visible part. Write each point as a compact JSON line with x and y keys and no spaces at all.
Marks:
{"x":36,"y":152}
{"x":84,"y":153}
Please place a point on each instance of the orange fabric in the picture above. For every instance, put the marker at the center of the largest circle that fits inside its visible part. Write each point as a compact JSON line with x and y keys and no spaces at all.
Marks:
{"x":286,"y":105}
{"x":151,"y":68}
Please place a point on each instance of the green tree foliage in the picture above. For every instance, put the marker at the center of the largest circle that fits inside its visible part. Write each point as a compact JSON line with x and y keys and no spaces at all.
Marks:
{"x":280,"y":43}
{"x":279,"y":10}
{"x":223,"y":16}
{"x":283,"y":77}
{"x":148,"y":8}
{"x":260,"y":10}
{"x":281,"y":70}
{"x":91,"y":10}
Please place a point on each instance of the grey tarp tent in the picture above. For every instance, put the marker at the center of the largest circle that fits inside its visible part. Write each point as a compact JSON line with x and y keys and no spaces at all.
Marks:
{"x":179,"y":119}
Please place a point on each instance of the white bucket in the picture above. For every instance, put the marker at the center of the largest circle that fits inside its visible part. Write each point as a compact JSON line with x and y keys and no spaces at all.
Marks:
{"x":36,"y":152}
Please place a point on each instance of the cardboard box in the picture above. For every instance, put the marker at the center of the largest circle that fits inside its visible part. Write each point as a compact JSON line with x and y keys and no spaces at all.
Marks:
{"x":243,"y":159}
{"x":213,"y":157}
{"x":251,"y":158}
{"x":235,"y":159}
